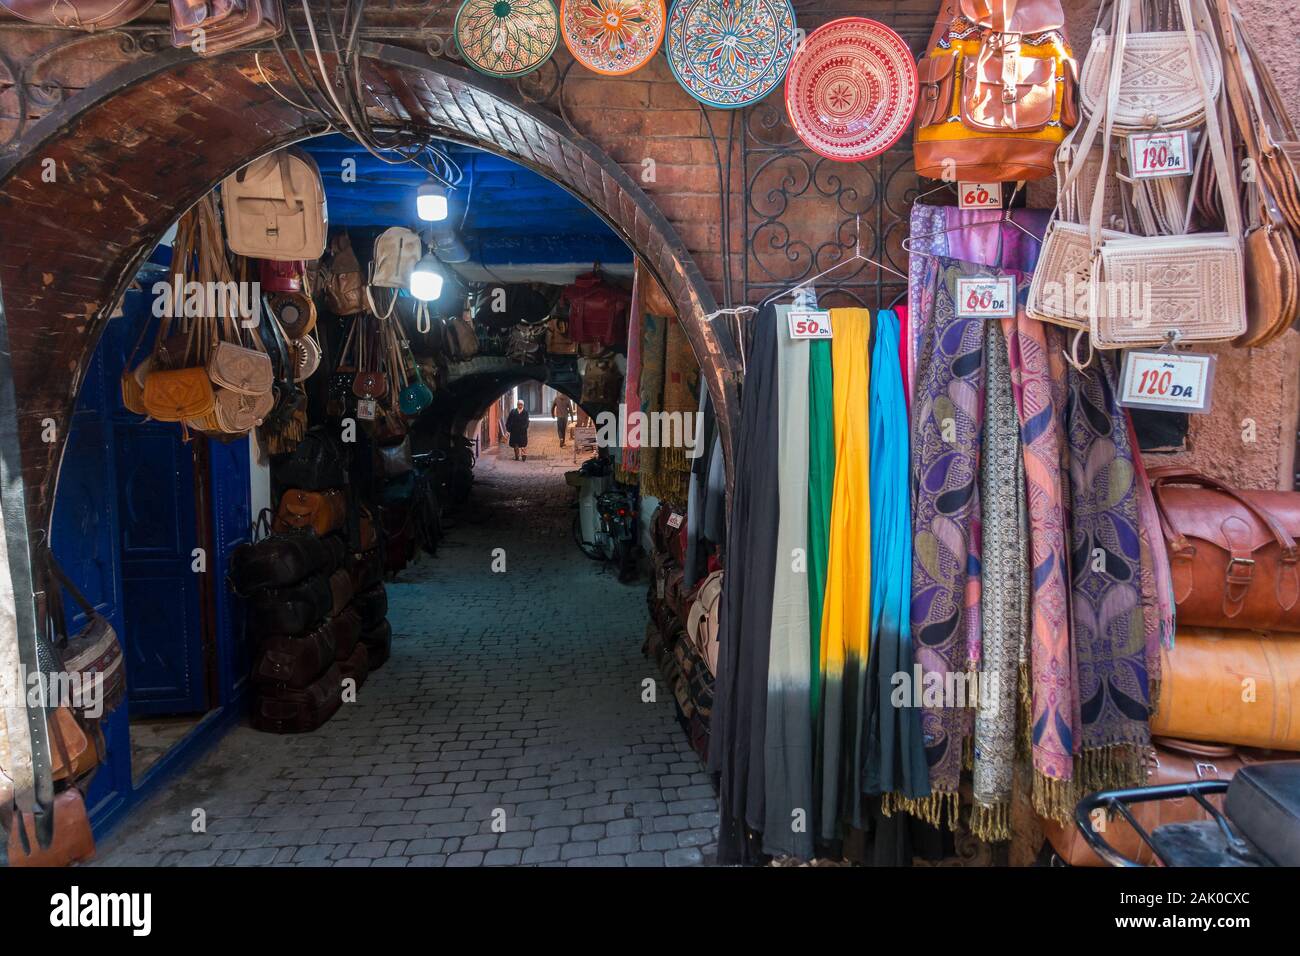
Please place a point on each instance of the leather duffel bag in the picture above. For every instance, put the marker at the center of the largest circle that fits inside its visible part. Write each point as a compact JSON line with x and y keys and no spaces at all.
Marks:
{"x":278,"y":561}
{"x":292,"y":661}
{"x":321,"y":511}
{"x":1170,"y":761}
{"x":357,"y":666}
{"x":372,"y":605}
{"x":287,"y":710}
{"x":73,"y":842}
{"x":295,"y":609}
{"x":378,"y":641}
{"x":1232,"y":554}
{"x":1235,"y":687}
{"x":317,"y":463}
{"x":367,"y":569}
{"x":341,"y":588}
{"x":346,"y":629}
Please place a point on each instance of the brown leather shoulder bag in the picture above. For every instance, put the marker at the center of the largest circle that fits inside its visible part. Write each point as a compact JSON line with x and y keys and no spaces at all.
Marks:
{"x":1233,"y":554}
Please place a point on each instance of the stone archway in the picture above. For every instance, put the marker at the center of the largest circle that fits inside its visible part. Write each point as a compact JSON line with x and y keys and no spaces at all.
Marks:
{"x":131,"y":153}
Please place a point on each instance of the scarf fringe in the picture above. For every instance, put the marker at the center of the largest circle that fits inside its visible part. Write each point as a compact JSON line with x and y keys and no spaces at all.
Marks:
{"x":1024,"y":739}
{"x":991,"y":823}
{"x":1111,"y":767}
{"x":1053,"y":799}
{"x":674,"y":459}
{"x":931,"y":809}
{"x":968,"y":753}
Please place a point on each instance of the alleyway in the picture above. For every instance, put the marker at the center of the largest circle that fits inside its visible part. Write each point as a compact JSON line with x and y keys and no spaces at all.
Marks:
{"x":517,"y":691}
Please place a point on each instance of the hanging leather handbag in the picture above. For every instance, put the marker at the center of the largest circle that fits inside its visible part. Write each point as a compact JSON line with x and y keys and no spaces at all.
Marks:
{"x":72,"y":754}
{"x":345,"y":286}
{"x":396,"y":459}
{"x":1233,"y":554}
{"x":558,"y":341}
{"x":397,"y":250}
{"x":702,"y":619}
{"x":88,"y":15}
{"x":526,"y":345}
{"x":997,"y":91}
{"x":295,"y":609}
{"x":176,"y":395}
{"x":378,"y":642}
{"x":275,"y":207}
{"x":1230,"y":686}
{"x":321,"y":511}
{"x":600,"y":381}
{"x":292,"y":661}
{"x":280,"y":275}
{"x":497,"y":307}
{"x":372,"y":605}
{"x":317,"y":463}
{"x":304,"y":357}
{"x":237,"y":413}
{"x":277,"y":561}
{"x":295,"y":311}
{"x":288,"y":710}
{"x":462,"y":339}
{"x":92,"y":657}
{"x":1170,"y":761}
{"x":1158,"y":87}
{"x":73,"y":841}
{"x":597,"y":310}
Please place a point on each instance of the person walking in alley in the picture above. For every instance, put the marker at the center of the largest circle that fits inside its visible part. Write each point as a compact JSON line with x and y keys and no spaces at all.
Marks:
{"x":561,"y":408}
{"x":517,"y":426}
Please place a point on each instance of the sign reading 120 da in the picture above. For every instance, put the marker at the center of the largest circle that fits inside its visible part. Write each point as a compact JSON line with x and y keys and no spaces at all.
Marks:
{"x":1175,"y":382}
{"x":810,"y":325}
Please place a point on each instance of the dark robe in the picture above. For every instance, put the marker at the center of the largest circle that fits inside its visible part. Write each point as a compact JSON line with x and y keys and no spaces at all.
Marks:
{"x":517,"y":426}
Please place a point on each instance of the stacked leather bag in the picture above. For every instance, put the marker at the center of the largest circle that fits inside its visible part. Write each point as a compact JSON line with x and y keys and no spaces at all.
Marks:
{"x":682,"y":628}
{"x":317,"y":501}
{"x":1230,"y":684}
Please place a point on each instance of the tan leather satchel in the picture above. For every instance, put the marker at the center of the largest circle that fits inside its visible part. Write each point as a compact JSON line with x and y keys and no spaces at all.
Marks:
{"x":275,"y":207}
{"x":73,"y":840}
{"x":345,"y":287}
{"x":1230,"y":686}
{"x":1232,"y":554}
{"x":321,"y":511}
{"x":178,"y":394}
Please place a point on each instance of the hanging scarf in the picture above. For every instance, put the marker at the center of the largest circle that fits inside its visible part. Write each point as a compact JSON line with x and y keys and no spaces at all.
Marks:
{"x":1109,"y":630}
{"x":1158,"y":582}
{"x":739,"y":720}
{"x":946,"y":535}
{"x":788,"y":760}
{"x":846,"y":611}
{"x":1004,"y":606}
{"x":821,"y":479}
{"x":1049,"y":689}
{"x":895,"y":754}
{"x":654,"y":345}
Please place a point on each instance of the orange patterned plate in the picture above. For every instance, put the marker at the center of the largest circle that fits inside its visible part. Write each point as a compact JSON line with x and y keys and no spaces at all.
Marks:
{"x":613,"y":37}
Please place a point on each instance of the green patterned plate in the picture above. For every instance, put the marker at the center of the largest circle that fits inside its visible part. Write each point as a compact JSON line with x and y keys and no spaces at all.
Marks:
{"x":507,"y":37}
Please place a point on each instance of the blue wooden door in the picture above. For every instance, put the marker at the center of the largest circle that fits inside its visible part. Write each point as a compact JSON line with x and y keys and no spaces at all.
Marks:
{"x":231,"y":520}
{"x":157,"y":537}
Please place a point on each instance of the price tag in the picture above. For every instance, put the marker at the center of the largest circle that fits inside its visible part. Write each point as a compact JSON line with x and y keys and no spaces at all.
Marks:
{"x":1153,"y":155}
{"x":674,"y":520}
{"x":810,"y":325}
{"x":979,"y":195}
{"x":367,"y":409}
{"x":986,"y":297}
{"x":1168,"y":381}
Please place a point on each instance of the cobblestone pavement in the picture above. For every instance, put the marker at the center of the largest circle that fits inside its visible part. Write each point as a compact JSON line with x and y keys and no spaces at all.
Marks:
{"x":511,"y":697}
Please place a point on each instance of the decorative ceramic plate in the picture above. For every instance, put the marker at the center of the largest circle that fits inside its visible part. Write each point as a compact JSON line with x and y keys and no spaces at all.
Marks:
{"x":507,"y":37}
{"x":730,"y":53}
{"x":851,"y":89}
{"x":612,"y":37}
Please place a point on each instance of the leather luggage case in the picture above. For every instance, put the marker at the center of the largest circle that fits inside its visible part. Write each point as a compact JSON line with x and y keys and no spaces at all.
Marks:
{"x":1172,"y":761}
{"x":336,"y":552}
{"x":341,"y":588}
{"x":1234,"y":687}
{"x":1233,"y":554}
{"x":291,"y":610}
{"x":73,"y":842}
{"x":296,"y":661}
{"x":357,"y":666}
{"x":367,"y":569}
{"x":379,"y":643}
{"x":285,"y":710}
{"x":320,"y":511}
{"x":346,"y":629}
{"x":372,"y":605}
{"x":278,"y":561}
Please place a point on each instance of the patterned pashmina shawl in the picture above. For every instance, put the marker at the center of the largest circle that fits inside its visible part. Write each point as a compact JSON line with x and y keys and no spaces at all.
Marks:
{"x":945,"y":611}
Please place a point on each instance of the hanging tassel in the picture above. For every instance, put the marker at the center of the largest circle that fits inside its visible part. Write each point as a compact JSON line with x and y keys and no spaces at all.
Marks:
{"x":991,"y":824}
{"x":932,"y":809}
{"x":1053,"y":799}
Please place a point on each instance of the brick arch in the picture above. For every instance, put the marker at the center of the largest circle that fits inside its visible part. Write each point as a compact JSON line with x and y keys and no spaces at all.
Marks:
{"x":131,"y":153}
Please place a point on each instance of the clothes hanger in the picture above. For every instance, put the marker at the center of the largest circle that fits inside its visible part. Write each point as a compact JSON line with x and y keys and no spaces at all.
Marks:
{"x":1005,"y":219}
{"x":856,"y":257}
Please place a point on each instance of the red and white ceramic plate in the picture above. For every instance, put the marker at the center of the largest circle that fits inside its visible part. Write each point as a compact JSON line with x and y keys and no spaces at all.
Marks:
{"x":851,"y":89}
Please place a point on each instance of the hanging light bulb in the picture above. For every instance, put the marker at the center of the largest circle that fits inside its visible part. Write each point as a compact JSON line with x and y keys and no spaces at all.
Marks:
{"x":426,"y":279}
{"x":431,"y":201}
